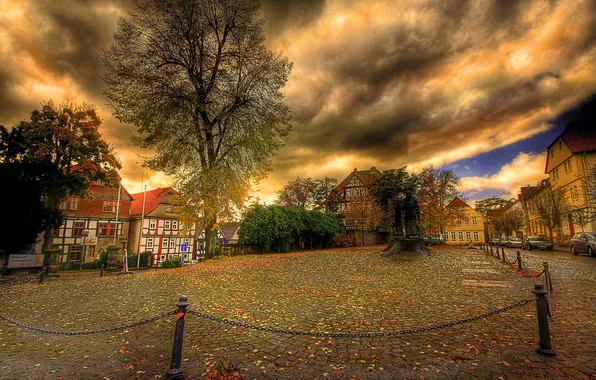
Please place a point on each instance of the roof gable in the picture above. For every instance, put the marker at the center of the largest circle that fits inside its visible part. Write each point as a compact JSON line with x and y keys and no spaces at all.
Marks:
{"x":358,"y":178}
{"x":152,"y":199}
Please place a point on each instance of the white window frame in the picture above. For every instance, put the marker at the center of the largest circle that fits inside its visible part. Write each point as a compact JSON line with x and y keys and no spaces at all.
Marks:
{"x":166,"y":225}
{"x":168,"y":208}
{"x":474,"y":220}
{"x":460,"y":235}
{"x":446,"y":236}
{"x":453,"y":236}
{"x":476,"y":236}
{"x":74,"y":203}
{"x":152,"y":224}
{"x":164,"y":243}
{"x":172,"y":242}
{"x":174,"y":225}
{"x":468,"y":235}
{"x":162,"y":258}
{"x":149,"y":243}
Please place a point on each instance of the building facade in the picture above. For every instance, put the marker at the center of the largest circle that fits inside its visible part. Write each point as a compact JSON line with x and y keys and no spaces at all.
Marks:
{"x":569,"y":158}
{"x":101,"y":217}
{"x":155,"y":227}
{"x":354,"y":187}
{"x":468,"y":226}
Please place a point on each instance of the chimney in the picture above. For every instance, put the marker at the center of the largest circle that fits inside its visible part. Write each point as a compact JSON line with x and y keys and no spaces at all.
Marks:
{"x":373,"y":168}
{"x":355,"y":170}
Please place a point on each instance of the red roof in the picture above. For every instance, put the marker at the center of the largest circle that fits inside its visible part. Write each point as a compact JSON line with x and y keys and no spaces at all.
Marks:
{"x":456,"y":202}
{"x":579,"y":136}
{"x":152,"y":199}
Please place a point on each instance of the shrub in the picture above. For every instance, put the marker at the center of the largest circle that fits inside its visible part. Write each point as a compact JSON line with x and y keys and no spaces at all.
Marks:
{"x":346,"y":239}
{"x":92,"y":265}
{"x":172,"y":263}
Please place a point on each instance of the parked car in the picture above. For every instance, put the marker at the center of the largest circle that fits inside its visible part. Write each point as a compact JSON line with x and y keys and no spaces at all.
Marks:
{"x":433,"y":240}
{"x":584,"y":242}
{"x":513,"y":242}
{"x":537,"y":242}
{"x":495,"y":241}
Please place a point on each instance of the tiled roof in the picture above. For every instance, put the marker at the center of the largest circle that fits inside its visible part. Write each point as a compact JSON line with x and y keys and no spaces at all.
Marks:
{"x":229,"y":229}
{"x":579,"y":136}
{"x":456,"y":202}
{"x":153,"y":198}
{"x":366,"y":177}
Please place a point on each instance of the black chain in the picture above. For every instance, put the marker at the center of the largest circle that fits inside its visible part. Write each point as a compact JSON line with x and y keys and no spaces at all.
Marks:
{"x":360,"y":335}
{"x":86,"y":332}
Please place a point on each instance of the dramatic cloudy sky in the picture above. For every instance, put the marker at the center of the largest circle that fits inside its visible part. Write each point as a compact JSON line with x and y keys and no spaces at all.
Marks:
{"x":472,"y":85}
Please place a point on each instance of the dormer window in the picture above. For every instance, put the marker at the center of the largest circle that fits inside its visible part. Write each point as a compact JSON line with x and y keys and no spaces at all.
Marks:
{"x":560,"y":145}
{"x":168,"y":208}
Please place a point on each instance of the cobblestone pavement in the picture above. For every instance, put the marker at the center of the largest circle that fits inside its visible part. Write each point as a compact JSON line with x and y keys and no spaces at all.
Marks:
{"x":342,"y":290}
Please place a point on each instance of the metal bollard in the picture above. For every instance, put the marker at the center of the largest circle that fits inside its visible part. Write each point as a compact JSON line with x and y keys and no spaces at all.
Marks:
{"x":101,"y":272}
{"x":543,"y":330}
{"x":491,"y":249}
{"x":503,"y":252}
{"x":42,"y":274}
{"x":519,"y":263}
{"x":175,"y":372}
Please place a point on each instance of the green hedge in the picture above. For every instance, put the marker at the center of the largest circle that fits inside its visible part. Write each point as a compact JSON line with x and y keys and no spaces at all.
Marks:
{"x":172,"y":263}
{"x":283,"y":229}
{"x":144,"y":262}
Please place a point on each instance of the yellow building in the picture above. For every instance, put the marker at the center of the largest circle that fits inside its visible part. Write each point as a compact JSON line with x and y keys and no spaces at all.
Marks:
{"x":468,"y":225}
{"x":531,"y":197}
{"x":569,"y":157}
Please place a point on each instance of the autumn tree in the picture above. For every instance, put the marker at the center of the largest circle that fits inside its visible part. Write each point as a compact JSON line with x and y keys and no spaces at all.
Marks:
{"x":437,"y":188}
{"x":549,"y":205}
{"x":326,"y":196}
{"x":492,"y":203}
{"x":65,"y":141}
{"x":203,"y":90}
{"x":299,"y":193}
{"x":364,"y":213}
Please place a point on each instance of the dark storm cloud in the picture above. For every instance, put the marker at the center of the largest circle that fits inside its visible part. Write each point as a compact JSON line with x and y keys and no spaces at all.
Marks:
{"x":289,"y":14}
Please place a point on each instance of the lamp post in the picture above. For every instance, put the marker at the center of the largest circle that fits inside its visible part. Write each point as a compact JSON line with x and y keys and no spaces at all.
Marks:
{"x":85,"y":233}
{"x":125,"y":257}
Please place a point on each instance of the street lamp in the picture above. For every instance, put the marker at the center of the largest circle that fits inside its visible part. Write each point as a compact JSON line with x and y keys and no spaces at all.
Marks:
{"x":85,"y":233}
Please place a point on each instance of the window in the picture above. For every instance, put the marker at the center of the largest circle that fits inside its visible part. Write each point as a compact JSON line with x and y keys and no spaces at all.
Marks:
{"x":468,"y":235}
{"x":187,"y":240}
{"x":568,"y":166}
{"x":77,"y":228}
{"x":149,"y":242}
{"x":453,"y":236}
{"x":172,"y":242}
{"x":467,"y":221}
{"x":556,"y":174}
{"x":109,"y":206}
{"x":175,"y":225}
{"x":474,"y":220}
{"x":168,"y":208}
{"x":62,"y":206}
{"x":574,"y":193}
{"x":458,"y":222}
{"x":460,"y":235}
{"x":152,"y":224}
{"x":106,"y":229}
{"x":74,"y":252}
{"x":162,"y":258}
{"x":476,"y":236}
{"x":164,"y":243}
{"x":552,"y":152}
{"x":560,"y":145}
{"x":446,"y":236}
{"x":74,"y":204}
{"x":167,"y":224}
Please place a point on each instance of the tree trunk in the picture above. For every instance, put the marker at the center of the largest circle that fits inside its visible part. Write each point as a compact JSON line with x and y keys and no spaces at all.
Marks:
{"x":210,"y":239}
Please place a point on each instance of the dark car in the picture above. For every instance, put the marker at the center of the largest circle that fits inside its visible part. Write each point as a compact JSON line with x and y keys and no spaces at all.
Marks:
{"x":432,"y":240}
{"x":513,"y":242}
{"x":537,"y":242}
{"x":584,"y":242}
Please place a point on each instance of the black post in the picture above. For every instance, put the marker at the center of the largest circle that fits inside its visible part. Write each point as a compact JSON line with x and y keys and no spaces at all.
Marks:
{"x":41,"y":275}
{"x":503,"y":252}
{"x":519,"y":263}
{"x":543,"y":330}
{"x":101,"y":272}
{"x":175,"y":372}
{"x":491,"y":249}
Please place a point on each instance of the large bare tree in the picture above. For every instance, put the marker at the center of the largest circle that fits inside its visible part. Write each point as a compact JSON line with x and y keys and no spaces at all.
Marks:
{"x":196,"y":79}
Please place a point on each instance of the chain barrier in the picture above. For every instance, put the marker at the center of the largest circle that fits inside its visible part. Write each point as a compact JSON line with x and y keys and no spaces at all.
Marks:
{"x":359,"y":335}
{"x":88,"y":332}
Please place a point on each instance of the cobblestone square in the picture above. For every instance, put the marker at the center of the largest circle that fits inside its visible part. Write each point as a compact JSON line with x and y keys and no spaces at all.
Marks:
{"x":336,"y":291}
